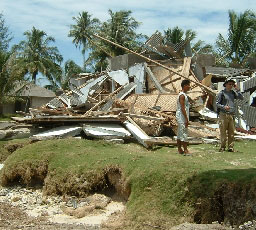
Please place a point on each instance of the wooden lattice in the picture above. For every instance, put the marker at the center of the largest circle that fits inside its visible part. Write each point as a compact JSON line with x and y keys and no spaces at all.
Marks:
{"x":167,"y":102}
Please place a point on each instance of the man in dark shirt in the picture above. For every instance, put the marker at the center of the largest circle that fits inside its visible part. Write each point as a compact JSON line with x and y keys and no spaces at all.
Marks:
{"x":225,"y":102}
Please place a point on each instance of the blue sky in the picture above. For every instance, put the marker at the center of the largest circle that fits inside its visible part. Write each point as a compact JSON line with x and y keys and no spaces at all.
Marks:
{"x":206,"y":17}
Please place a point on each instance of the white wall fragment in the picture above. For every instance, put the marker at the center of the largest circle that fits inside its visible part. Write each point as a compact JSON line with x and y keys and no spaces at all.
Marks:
{"x":137,"y":71}
{"x":119,"y":76}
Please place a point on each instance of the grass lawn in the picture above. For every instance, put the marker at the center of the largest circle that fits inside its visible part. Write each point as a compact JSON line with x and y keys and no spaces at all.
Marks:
{"x":7,"y":117}
{"x":162,"y":187}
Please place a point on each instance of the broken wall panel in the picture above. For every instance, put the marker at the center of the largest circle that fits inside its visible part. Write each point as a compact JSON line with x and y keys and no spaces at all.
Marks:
{"x":120,"y":95}
{"x":166,"y":102}
{"x":55,"y":103}
{"x":119,"y":76}
{"x":167,"y":79}
{"x":251,"y":83}
{"x":153,"y":78}
{"x":59,"y":132}
{"x":106,"y":131}
{"x":137,"y":132}
{"x":138,"y":72}
{"x":249,"y":113}
{"x":87,"y":88}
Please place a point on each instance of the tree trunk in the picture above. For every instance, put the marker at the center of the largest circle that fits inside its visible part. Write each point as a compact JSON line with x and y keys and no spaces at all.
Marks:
{"x":34,"y":76}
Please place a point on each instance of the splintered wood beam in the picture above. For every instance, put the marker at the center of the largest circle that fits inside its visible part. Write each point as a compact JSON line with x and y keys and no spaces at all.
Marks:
{"x":153,"y":78}
{"x":209,"y":90}
{"x":186,"y":67}
{"x":104,"y":100}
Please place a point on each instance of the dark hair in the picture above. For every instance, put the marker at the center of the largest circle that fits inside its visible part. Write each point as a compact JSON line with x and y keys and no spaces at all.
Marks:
{"x":227,"y":81}
{"x":185,"y":82}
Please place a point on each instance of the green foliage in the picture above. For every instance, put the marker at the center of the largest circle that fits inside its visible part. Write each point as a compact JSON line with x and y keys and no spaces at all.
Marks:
{"x":83,"y":29}
{"x":9,"y":74}
{"x":5,"y":36}
{"x":61,"y":80}
{"x":177,"y":35}
{"x":35,"y":55}
{"x":120,"y":28}
{"x":241,"y":39}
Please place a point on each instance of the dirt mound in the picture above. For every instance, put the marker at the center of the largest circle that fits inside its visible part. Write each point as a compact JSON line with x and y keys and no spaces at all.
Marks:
{"x":231,"y":203}
{"x":25,"y":173}
{"x":108,"y":181}
{"x":13,"y":147}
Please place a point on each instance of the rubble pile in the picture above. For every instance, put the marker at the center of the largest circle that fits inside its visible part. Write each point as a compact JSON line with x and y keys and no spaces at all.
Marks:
{"x":135,"y":98}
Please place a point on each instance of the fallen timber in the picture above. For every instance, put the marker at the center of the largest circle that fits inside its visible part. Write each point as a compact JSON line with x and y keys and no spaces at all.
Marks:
{"x":209,"y":90}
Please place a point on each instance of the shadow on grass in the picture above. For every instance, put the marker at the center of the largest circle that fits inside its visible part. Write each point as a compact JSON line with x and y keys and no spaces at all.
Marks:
{"x":227,"y":196}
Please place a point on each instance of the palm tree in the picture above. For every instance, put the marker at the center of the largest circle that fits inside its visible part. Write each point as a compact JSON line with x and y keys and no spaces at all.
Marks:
{"x":35,"y":54}
{"x":83,"y":29}
{"x":241,"y":39}
{"x":9,"y":75}
{"x":5,"y":36}
{"x":61,"y":81}
{"x":121,"y":29}
{"x":177,"y":35}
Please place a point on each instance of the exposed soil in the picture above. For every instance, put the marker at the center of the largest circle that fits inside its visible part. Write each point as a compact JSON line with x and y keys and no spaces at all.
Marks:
{"x":231,"y":203}
{"x":30,"y":209}
{"x":12,"y":217}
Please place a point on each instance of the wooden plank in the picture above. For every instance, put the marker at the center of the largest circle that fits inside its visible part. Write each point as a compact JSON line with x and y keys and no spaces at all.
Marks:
{"x":153,"y":78}
{"x":146,"y":117}
{"x":168,"y":141}
{"x":137,"y":132}
{"x":102,"y":101}
{"x":123,"y":93}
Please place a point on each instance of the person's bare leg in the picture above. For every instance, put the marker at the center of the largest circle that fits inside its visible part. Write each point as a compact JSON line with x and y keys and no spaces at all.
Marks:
{"x":185,"y":146}
{"x":180,"y":150}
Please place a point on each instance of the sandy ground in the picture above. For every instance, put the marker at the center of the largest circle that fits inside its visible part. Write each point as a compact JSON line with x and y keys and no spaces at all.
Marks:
{"x":23,"y":208}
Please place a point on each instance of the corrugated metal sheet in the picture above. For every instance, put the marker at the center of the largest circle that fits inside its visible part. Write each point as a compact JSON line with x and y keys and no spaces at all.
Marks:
{"x":249,"y":83}
{"x":224,"y":72}
{"x":249,"y":113}
{"x":55,"y":103}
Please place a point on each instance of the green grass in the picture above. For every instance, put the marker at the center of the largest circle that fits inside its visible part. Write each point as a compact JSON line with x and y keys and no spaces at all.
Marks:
{"x":164,"y":185}
{"x":7,"y":117}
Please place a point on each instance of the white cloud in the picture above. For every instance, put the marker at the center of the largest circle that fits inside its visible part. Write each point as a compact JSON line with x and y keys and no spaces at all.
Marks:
{"x":206,"y":17}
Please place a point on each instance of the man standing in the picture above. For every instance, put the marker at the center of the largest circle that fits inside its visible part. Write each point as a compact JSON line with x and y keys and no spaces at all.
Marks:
{"x":225,"y":103}
{"x":182,"y":117}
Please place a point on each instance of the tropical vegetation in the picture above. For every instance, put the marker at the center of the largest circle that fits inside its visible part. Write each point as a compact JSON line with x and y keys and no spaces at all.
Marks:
{"x":37,"y":54}
{"x":241,"y":39}
{"x":176,"y":35}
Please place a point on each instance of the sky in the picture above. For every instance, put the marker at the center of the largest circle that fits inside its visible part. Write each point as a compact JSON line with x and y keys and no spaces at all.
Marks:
{"x":207,"y":17}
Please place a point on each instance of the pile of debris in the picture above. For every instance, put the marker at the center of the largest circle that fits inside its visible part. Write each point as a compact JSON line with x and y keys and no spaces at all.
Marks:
{"x":136,"y":97}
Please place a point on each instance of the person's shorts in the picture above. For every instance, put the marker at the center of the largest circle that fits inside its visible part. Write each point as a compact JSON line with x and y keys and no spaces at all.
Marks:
{"x":182,"y":134}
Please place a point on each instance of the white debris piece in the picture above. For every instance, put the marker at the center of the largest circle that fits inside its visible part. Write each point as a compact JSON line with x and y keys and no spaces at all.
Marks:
{"x":137,"y":133}
{"x":119,"y":76}
{"x":205,"y":112}
{"x":214,"y":126}
{"x":246,"y":137}
{"x":100,"y":129}
{"x":63,"y":131}
{"x":137,"y":71}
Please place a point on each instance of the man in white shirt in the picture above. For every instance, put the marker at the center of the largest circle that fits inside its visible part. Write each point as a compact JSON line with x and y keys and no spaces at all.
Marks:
{"x":182,"y":117}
